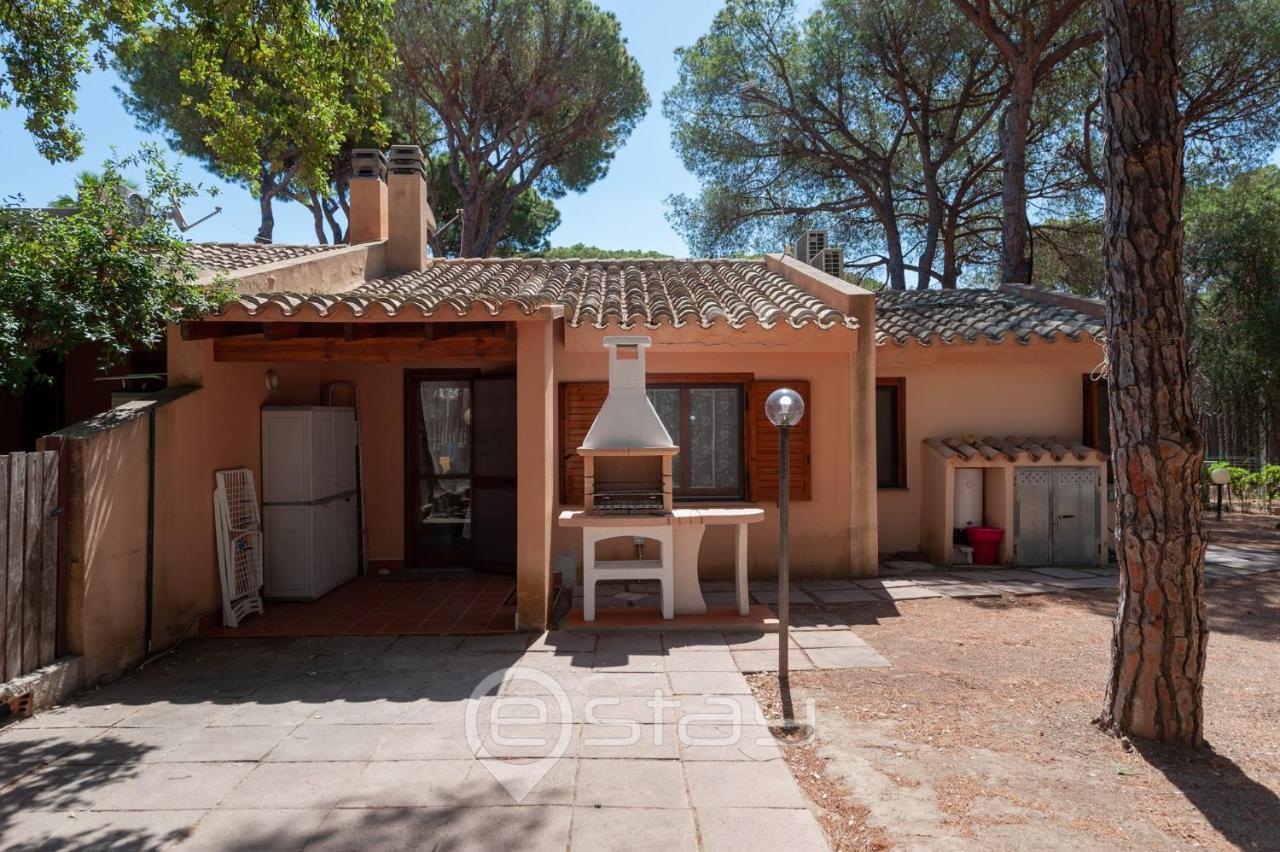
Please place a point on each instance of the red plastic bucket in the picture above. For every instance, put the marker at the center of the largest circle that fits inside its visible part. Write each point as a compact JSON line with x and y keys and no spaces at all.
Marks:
{"x":985,"y":542}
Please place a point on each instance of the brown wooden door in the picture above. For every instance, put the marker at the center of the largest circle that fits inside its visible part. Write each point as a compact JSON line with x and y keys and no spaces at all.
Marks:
{"x":494,"y":506}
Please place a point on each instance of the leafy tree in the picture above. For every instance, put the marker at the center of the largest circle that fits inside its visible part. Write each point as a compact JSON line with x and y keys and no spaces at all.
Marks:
{"x":1156,"y":684}
{"x":88,"y":181}
{"x":784,"y":131}
{"x":1068,"y":255}
{"x":1033,"y":39}
{"x":45,"y":45}
{"x":265,"y":95}
{"x":873,"y":117}
{"x":517,"y":95}
{"x":106,"y":273}
{"x":1228,"y":89}
{"x":580,"y":250}
{"x":531,"y":221}
{"x":1233,"y":275}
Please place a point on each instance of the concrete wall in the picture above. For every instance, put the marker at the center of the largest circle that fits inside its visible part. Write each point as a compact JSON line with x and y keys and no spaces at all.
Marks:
{"x":983,"y":389}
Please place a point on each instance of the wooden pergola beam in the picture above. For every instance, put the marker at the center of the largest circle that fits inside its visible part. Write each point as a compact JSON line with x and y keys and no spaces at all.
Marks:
{"x":371,"y":350}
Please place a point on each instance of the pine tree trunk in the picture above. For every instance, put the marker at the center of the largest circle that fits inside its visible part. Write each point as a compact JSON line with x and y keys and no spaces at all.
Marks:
{"x":1015,"y":124}
{"x":1158,"y":647}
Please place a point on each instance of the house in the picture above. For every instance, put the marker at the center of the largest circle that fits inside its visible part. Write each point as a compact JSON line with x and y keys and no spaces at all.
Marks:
{"x":520,"y":341}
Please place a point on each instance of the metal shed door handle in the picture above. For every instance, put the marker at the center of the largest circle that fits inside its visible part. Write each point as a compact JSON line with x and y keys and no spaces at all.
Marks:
{"x":1066,"y":516}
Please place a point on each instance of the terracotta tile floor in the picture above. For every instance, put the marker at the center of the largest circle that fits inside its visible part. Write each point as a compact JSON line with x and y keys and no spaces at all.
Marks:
{"x":391,"y":606}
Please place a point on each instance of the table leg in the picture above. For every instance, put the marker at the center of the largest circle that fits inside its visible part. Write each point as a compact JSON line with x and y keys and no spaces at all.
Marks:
{"x":688,"y":541}
{"x":740,"y":568}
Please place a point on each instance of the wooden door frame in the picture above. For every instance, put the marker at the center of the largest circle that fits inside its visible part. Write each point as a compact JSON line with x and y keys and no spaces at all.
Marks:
{"x":410,"y":458}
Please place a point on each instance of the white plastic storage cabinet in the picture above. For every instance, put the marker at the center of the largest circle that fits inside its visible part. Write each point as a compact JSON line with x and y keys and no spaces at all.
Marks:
{"x":309,"y":499}
{"x":311,"y":547}
{"x":308,"y":453}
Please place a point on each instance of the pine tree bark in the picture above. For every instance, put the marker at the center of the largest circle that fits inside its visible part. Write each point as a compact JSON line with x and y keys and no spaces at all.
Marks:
{"x":1158,"y":646}
{"x":1015,"y":125}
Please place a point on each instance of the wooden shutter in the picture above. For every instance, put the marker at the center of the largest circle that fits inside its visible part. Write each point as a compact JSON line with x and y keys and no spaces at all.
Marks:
{"x":579,"y":404}
{"x":762,"y":444}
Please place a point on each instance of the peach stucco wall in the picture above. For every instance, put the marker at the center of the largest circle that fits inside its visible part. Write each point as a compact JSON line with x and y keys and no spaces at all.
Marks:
{"x":983,"y":389}
{"x":220,"y":427}
{"x":106,"y":542}
{"x":1032,"y":389}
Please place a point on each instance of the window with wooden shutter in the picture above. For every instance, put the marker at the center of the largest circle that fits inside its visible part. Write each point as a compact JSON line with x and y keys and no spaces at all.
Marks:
{"x":762,"y":444}
{"x":580,"y":402}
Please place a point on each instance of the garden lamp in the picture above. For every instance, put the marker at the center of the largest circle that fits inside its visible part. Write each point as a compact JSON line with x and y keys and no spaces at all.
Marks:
{"x":1220,"y":476}
{"x":784,"y":408}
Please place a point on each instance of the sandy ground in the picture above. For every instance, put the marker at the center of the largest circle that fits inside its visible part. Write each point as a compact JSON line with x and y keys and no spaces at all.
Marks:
{"x":1237,"y":528}
{"x":980,"y":735}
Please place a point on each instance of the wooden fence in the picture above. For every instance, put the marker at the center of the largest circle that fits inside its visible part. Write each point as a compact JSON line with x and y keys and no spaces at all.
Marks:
{"x":28,"y":561}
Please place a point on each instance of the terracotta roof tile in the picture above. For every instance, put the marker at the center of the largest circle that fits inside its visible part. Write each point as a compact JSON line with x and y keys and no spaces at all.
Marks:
{"x":966,"y":316}
{"x":1013,"y":448}
{"x":231,"y":257}
{"x":621,"y":293}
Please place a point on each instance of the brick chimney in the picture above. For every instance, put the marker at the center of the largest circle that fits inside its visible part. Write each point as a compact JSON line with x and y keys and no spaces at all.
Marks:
{"x":367,"y":219}
{"x":411,"y":218}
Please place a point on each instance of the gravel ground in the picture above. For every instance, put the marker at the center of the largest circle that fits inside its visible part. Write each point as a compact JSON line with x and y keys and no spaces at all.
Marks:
{"x":980,"y":735}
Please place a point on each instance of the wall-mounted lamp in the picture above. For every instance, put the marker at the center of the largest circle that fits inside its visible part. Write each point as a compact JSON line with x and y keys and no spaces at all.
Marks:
{"x":272,"y":381}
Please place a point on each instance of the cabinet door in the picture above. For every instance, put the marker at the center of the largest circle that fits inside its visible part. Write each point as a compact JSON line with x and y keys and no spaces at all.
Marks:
{"x":322,"y":461}
{"x":286,"y":456}
{"x":287,"y":531}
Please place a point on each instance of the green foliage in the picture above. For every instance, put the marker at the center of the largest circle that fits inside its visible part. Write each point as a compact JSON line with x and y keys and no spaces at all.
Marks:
{"x":45,"y":45}
{"x":108,"y":273}
{"x":1233,"y":279}
{"x":530,"y":223}
{"x":873,"y":118}
{"x":87,"y":180}
{"x":1068,"y":255}
{"x":580,"y":250}
{"x":278,"y":86}
{"x":517,"y":95}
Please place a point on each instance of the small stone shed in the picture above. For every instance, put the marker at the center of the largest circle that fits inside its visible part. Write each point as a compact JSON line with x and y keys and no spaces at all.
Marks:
{"x":1049,"y":495}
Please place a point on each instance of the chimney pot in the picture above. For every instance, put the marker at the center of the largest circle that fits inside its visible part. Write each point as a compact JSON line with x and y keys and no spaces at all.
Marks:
{"x":411,"y":217}
{"x":369,"y":217}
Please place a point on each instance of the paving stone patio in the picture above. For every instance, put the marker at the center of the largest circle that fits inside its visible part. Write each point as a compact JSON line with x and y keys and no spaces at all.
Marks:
{"x":363,"y":742}
{"x":912,"y":580}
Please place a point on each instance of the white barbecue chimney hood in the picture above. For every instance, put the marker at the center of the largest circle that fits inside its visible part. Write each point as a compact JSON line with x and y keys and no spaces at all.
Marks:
{"x":627,"y":420}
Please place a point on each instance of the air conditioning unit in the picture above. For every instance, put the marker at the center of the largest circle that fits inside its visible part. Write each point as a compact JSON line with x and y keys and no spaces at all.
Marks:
{"x":811,"y":244}
{"x":831,"y":261}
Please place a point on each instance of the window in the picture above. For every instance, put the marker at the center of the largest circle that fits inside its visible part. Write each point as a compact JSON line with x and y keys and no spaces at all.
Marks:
{"x":728,"y":448}
{"x":891,"y":457}
{"x":705,"y":421}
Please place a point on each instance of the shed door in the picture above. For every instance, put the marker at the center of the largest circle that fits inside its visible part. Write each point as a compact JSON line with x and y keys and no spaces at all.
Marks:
{"x":1075,"y":516}
{"x":1033,"y":529}
{"x":1056,"y":519}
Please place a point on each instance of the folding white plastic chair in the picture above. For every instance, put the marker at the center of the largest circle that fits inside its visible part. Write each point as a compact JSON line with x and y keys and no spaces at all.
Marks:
{"x":239,"y":532}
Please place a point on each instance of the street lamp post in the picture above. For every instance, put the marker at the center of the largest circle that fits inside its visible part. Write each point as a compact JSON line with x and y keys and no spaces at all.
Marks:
{"x":1220,"y":476}
{"x":784,"y":408}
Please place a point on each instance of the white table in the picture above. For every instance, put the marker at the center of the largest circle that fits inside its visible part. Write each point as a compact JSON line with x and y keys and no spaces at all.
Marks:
{"x":687,"y":527}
